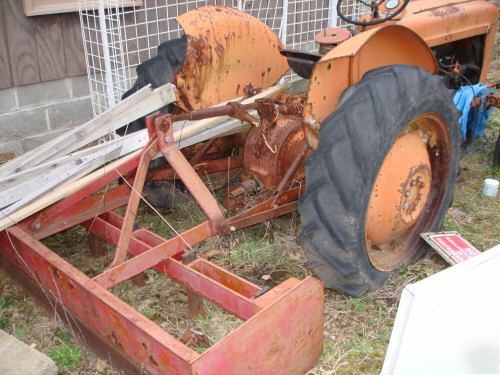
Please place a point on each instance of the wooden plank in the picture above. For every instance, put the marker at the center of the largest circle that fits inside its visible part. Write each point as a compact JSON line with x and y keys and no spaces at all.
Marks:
{"x":21,"y":44}
{"x":21,"y":184}
{"x":87,"y":164}
{"x":5,"y":76}
{"x":62,"y":192}
{"x":73,"y":45}
{"x":49,"y":47}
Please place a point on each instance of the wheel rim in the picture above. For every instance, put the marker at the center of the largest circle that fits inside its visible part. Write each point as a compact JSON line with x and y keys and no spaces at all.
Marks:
{"x":407,"y":192}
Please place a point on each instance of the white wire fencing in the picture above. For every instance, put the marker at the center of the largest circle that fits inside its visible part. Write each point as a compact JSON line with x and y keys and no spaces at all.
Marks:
{"x":117,"y":37}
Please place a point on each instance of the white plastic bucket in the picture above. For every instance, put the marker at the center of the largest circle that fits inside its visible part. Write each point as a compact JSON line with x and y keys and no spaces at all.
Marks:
{"x":490,"y":187}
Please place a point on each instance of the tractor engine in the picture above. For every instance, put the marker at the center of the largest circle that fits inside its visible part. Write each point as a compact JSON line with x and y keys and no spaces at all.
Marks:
{"x":274,"y":151}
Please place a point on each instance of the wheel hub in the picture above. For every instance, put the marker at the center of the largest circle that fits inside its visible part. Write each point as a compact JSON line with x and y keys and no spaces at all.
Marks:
{"x":398,"y":197}
{"x":415,"y":194}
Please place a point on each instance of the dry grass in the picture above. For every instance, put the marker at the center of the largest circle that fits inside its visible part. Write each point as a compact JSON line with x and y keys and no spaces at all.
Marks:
{"x":357,"y":330}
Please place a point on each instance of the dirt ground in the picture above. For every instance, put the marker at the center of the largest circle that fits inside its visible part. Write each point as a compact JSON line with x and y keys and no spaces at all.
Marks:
{"x":357,"y":330}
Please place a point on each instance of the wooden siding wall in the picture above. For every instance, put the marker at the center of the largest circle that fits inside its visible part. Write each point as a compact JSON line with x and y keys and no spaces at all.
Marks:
{"x":38,"y":49}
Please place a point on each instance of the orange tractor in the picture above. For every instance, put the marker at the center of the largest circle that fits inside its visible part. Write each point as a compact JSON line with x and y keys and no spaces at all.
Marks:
{"x":365,"y":148}
{"x":372,"y":143}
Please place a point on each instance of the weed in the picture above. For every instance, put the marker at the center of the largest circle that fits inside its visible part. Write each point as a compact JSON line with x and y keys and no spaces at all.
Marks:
{"x":66,"y":355}
{"x":356,"y":305}
{"x":5,"y":303}
{"x":21,"y":331}
{"x":64,"y":336}
{"x":3,"y":323}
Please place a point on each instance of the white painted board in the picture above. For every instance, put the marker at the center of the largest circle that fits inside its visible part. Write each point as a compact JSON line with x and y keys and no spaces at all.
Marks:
{"x":448,"y":323}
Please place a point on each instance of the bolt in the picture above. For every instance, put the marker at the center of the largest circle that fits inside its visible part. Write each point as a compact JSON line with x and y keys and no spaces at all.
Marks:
{"x":37,"y":226}
{"x":421,"y":185}
{"x":412,"y":183}
{"x":406,"y":205}
{"x":407,"y":194}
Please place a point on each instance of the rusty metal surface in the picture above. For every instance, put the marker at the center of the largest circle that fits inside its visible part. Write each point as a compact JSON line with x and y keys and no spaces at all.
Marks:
{"x":407,"y":185}
{"x":265,"y":210}
{"x":440,"y":22}
{"x":208,"y":166}
{"x":489,"y":101}
{"x":271,"y":148}
{"x":331,"y":37}
{"x":226,"y":50}
{"x":347,"y":63}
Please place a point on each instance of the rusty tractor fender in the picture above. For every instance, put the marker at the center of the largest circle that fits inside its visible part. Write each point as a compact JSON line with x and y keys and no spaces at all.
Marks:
{"x":226,"y":50}
{"x":346,"y":64}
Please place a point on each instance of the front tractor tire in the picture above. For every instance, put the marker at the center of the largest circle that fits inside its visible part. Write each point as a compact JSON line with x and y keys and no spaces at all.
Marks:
{"x":384,"y":171}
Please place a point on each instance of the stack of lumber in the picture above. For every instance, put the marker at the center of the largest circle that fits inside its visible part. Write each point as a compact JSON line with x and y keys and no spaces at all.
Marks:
{"x":62,"y":166}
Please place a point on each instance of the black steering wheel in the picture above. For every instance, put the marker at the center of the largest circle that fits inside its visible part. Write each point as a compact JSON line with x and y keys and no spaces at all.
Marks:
{"x":379,"y":10}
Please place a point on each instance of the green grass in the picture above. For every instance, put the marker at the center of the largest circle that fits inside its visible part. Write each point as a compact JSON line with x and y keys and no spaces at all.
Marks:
{"x":65,"y":354}
{"x":5,"y":302}
{"x":21,"y":331}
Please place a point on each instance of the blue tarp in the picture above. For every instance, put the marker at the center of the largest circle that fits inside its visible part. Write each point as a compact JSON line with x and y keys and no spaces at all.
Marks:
{"x":473,"y":120}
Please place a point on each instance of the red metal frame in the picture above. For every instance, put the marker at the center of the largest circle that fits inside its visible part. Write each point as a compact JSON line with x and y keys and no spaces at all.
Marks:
{"x":283,"y":327}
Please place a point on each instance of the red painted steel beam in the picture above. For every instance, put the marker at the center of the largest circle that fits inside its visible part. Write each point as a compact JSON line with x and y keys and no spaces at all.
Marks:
{"x":213,"y":290}
{"x":224,"y":277}
{"x":154,"y":255}
{"x":146,"y":344}
{"x":286,"y":337}
{"x":200,"y":192}
{"x":80,"y":212}
{"x":148,"y":153}
{"x":230,"y":300}
{"x":57,"y":208}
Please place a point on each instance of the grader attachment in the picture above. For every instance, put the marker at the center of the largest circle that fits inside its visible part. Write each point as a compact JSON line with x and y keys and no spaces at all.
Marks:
{"x":283,"y":326}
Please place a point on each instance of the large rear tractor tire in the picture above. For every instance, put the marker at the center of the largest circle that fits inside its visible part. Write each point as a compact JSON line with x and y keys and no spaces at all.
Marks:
{"x":384,"y":172}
